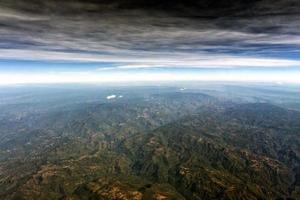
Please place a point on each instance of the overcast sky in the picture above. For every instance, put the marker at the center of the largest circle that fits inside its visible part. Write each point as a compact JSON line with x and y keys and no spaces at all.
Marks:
{"x":120,"y":40}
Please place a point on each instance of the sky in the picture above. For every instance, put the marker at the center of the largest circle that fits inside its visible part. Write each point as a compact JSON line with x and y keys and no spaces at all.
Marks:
{"x":50,"y":41}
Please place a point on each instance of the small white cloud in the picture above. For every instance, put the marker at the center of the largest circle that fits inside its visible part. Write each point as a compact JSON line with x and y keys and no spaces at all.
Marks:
{"x":111,"y":97}
{"x":120,"y":96}
{"x":132,"y":66}
{"x":182,"y":89}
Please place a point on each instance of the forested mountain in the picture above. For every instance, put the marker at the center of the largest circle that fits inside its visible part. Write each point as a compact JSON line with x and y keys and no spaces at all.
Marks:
{"x":170,"y":144}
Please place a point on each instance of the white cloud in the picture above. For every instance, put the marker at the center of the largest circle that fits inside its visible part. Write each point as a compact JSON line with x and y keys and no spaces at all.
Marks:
{"x":111,"y":97}
{"x":152,"y":60}
{"x":11,"y":14}
{"x":132,"y":66}
{"x":122,"y":77}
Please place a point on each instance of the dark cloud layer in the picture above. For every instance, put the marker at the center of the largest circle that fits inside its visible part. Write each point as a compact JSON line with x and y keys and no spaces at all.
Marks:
{"x":170,"y":32}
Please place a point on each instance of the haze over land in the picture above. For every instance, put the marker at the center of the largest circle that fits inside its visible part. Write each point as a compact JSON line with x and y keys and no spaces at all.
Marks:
{"x":209,"y":141}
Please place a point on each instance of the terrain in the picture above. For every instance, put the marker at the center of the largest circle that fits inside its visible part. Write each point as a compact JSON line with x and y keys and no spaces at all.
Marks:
{"x":191,"y":141}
